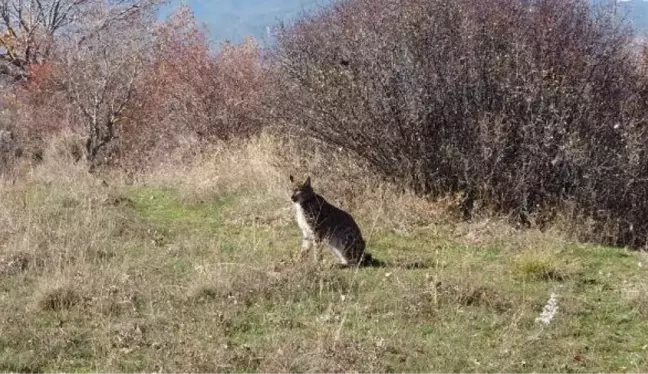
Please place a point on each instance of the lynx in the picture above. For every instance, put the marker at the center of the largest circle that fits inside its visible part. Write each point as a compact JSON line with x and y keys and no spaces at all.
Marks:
{"x":323,"y":223}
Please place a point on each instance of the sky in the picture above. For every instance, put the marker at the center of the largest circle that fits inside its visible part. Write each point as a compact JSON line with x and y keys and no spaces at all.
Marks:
{"x":233,"y":20}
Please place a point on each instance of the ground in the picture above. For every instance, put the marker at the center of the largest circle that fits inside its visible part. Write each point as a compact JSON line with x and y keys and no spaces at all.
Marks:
{"x":193,"y":272}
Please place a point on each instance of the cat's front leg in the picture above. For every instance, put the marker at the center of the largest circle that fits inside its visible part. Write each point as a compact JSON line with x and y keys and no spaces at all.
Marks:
{"x":307,"y":245}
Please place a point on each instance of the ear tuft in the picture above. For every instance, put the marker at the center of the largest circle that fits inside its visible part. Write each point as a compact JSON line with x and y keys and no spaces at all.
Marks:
{"x":292,"y":180}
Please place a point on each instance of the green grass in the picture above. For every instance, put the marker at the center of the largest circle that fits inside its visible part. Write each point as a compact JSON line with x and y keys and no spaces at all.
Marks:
{"x":210,"y":286}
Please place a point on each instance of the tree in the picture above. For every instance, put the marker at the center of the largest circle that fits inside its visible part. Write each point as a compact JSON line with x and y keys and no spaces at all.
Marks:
{"x":29,"y":29}
{"x":192,"y":95}
{"x":100,"y":67}
{"x":134,"y":88}
{"x":217,"y":95}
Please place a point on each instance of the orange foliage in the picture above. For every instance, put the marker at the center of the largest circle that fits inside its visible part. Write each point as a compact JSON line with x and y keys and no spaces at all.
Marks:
{"x":41,"y":107}
{"x":186,"y":94}
{"x":41,"y":76}
{"x":192,"y":94}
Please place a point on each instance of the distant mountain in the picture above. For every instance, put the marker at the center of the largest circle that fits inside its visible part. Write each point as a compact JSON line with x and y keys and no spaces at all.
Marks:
{"x":233,"y":20}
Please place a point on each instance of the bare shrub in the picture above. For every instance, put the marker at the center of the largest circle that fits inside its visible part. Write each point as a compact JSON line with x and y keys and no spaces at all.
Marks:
{"x":525,"y":105}
{"x":100,"y":79}
{"x":132,"y":87}
{"x":191,"y":96}
{"x":77,"y":63}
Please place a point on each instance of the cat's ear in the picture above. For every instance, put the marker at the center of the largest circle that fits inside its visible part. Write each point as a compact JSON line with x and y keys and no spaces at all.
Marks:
{"x":308,"y":182}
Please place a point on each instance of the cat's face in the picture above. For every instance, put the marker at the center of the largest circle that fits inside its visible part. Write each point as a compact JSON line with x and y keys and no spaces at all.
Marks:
{"x":301,"y":191}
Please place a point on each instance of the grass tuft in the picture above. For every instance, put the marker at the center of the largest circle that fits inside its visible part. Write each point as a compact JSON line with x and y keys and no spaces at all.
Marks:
{"x":58,"y":297}
{"x":539,"y":269}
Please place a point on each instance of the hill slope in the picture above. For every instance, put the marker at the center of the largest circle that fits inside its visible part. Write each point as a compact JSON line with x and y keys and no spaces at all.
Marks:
{"x":188,"y":269}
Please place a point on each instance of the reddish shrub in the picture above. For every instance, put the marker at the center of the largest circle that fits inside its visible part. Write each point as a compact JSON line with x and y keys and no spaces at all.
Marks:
{"x":192,"y":95}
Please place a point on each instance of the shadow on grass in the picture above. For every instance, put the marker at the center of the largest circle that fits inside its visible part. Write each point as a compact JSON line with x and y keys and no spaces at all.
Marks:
{"x":371,"y":262}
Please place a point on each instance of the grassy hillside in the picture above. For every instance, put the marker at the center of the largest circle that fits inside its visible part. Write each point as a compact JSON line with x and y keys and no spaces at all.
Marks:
{"x":189,"y":268}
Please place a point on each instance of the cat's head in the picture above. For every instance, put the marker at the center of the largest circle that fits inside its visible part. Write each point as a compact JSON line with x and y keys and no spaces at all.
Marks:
{"x":301,"y":191}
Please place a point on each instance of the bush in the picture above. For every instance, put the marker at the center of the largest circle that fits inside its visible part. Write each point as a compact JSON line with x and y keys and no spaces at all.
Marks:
{"x":527,"y":105}
{"x":161,"y":90}
{"x":190,"y":97}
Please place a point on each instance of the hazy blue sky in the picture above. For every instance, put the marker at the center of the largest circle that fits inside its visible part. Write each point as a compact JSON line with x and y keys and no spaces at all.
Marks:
{"x":235,"y":19}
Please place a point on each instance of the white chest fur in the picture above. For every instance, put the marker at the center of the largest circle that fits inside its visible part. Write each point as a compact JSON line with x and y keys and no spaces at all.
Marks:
{"x":307,"y":231}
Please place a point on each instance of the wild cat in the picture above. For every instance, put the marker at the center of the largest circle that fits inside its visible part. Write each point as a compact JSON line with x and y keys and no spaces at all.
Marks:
{"x":323,"y":223}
